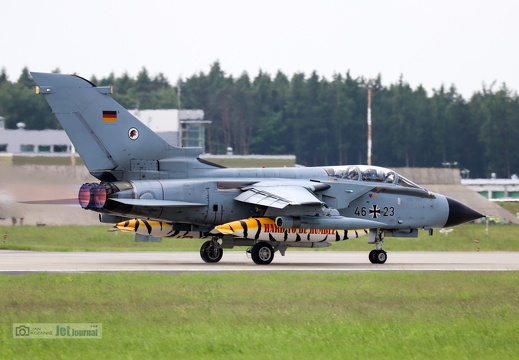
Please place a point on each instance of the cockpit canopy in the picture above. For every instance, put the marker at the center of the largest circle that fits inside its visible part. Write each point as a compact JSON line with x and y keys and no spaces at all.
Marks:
{"x":369,"y":173}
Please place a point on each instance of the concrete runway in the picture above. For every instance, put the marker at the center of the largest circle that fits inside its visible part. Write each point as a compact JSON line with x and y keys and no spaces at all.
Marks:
{"x":16,"y":262}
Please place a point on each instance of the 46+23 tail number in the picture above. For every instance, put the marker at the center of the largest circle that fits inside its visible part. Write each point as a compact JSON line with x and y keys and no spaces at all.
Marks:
{"x":374,"y":211}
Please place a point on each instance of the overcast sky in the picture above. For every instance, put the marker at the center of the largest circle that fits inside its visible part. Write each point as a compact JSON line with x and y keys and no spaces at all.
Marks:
{"x":467,"y":43}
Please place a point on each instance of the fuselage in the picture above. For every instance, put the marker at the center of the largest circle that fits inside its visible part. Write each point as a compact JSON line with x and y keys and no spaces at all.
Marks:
{"x":358,"y":192}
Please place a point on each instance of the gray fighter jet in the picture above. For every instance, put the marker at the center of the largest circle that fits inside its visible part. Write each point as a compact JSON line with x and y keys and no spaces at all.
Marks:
{"x":157,"y":190}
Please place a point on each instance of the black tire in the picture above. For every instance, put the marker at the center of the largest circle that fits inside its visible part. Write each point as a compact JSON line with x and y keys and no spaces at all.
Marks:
{"x":380,"y":257}
{"x":262,"y":253}
{"x":209,"y":253}
{"x":371,"y":256}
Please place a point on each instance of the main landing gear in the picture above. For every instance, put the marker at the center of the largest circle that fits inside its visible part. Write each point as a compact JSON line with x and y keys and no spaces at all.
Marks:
{"x":210,"y":252}
{"x":262,"y":253}
{"x":377,"y":256}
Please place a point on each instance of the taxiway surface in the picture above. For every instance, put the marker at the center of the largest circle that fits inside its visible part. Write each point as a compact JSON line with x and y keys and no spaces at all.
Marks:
{"x":15,"y":262}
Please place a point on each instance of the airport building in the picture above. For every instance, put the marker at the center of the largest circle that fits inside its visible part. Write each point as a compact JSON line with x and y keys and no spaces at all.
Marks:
{"x":495,"y":189}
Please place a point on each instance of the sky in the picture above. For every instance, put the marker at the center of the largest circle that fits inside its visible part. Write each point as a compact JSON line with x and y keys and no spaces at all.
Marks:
{"x":468,"y":44}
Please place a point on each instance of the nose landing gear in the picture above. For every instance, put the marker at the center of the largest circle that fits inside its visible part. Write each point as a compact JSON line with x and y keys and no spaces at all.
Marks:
{"x":377,"y":256}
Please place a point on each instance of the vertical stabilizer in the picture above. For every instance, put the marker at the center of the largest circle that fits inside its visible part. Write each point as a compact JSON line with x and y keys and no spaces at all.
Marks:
{"x":113,"y":143}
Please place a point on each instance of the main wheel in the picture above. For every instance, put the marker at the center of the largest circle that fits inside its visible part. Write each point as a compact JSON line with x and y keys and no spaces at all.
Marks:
{"x":371,"y":256}
{"x":377,"y":256}
{"x":210,"y":253}
{"x":380,"y":256}
{"x":262,"y":253}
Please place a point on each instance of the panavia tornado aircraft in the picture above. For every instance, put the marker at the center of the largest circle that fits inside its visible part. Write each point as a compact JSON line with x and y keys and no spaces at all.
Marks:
{"x":158,"y":190}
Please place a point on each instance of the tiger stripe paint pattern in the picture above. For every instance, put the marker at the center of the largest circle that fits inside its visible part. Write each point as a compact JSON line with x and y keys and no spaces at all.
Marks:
{"x":156,"y":228}
{"x":260,"y":229}
{"x":265,"y":229}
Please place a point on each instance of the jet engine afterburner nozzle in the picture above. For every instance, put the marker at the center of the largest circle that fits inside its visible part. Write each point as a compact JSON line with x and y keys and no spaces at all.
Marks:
{"x":92,"y":196}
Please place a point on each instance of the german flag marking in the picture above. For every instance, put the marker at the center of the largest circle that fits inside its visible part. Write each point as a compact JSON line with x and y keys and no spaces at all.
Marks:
{"x":109,"y":116}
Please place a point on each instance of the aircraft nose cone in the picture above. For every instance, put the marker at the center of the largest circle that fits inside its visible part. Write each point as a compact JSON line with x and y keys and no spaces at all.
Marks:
{"x":460,"y":213}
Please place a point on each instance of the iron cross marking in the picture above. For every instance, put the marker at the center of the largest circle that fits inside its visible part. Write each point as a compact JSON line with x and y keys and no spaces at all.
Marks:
{"x":374,"y":211}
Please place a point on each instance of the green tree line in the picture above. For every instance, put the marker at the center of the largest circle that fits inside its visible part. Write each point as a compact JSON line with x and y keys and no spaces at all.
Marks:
{"x":322,"y":121}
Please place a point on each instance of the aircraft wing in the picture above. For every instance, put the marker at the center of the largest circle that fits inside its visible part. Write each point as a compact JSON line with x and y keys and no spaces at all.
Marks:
{"x":280,"y":194}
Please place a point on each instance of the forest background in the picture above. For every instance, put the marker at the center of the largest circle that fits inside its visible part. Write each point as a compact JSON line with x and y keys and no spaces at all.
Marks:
{"x":321,"y":121}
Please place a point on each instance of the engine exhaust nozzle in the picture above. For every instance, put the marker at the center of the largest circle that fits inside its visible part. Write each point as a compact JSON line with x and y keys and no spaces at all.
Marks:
{"x":92,"y":196}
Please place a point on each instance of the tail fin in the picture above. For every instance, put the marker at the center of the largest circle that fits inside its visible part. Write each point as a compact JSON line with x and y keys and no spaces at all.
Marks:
{"x":113,"y":143}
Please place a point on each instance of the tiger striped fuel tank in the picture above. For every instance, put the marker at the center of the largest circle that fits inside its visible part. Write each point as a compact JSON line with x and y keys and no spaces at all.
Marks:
{"x":263,"y":228}
{"x":157,"y":228}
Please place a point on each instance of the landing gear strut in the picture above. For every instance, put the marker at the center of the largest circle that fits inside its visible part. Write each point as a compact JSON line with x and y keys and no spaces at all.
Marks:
{"x":377,"y":256}
{"x":210,"y":252}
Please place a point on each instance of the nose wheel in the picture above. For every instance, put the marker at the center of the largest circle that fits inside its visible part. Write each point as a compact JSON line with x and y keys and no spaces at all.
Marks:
{"x":377,"y":256}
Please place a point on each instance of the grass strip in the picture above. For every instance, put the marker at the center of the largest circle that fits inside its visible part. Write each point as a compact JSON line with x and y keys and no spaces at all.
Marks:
{"x":97,"y":238}
{"x":269,"y":315}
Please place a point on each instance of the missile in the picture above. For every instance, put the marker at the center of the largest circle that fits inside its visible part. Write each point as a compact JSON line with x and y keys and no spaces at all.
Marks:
{"x":265,"y":229}
{"x":157,"y":229}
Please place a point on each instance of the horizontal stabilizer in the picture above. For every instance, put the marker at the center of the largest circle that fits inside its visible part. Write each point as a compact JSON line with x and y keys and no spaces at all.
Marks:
{"x":73,"y":201}
{"x":156,"y":203}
